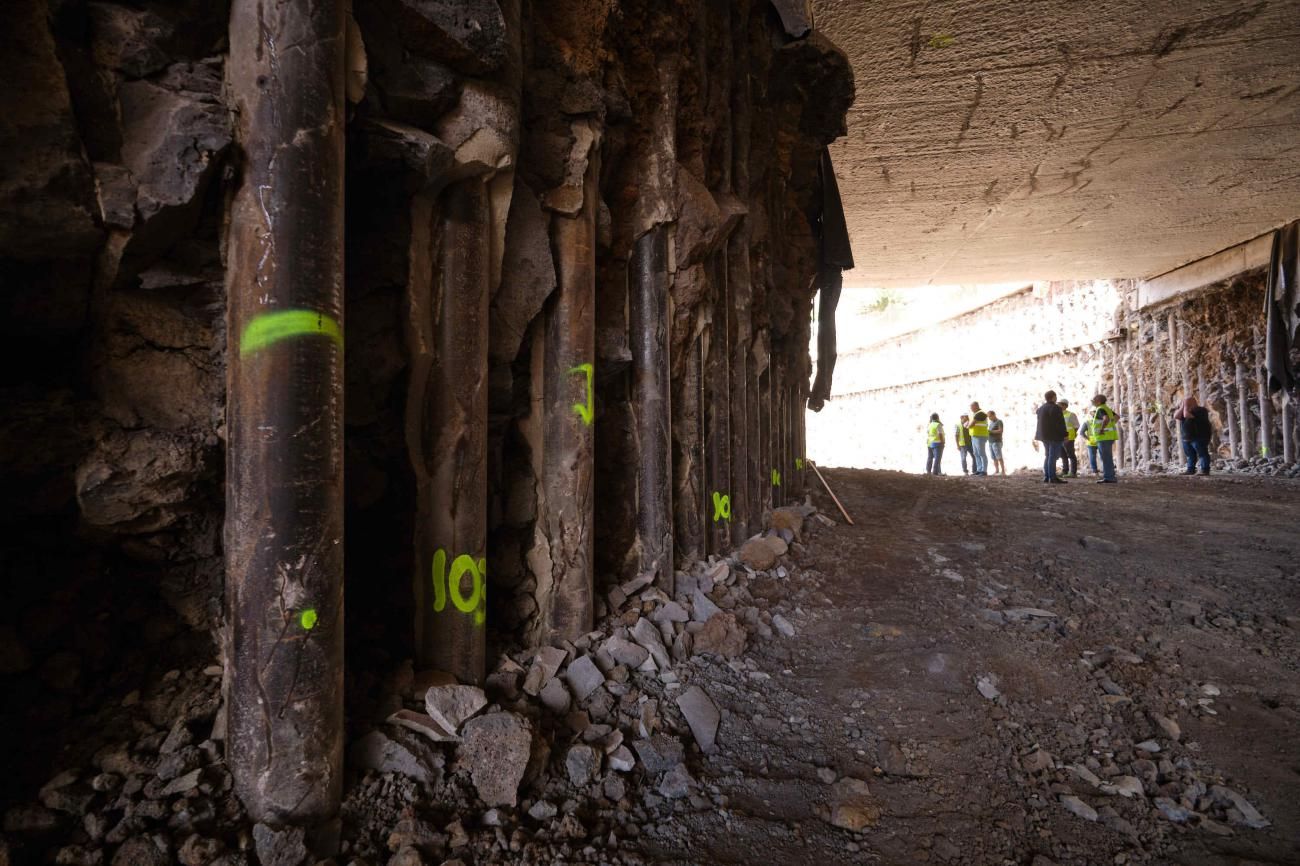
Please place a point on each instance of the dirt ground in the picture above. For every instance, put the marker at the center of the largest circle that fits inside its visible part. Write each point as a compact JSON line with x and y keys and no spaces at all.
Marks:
{"x":1086,"y":611}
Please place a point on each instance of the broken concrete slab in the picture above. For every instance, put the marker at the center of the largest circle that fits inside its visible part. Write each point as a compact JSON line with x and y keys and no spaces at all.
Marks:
{"x":701,"y":715}
{"x":583,"y":677}
{"x":659,"y":753}
{"x":495,"y":751}
{"x":452,"y":706}
{"x":379,"y":752}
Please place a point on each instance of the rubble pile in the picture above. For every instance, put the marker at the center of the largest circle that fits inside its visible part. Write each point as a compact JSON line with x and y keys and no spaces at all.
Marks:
{"x":567,"y":754}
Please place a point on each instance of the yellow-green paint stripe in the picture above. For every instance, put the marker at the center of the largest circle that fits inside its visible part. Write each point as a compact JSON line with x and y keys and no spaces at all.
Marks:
{"x":270,"y":328}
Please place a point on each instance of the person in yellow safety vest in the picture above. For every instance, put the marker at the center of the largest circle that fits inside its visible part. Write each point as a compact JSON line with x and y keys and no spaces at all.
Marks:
{"x":1104,"y":430}
{"x":979,"y":434}
{"x":1091,"y":438}
{"x":961,"y":433}
{"x":1069,"y":457}
{"x":934,"y":445}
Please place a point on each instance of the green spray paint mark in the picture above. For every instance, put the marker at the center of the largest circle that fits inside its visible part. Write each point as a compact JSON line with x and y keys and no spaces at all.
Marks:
{"x":308,"y":619}
{"x":721,"y":507}
{"x":588,"y":412}
{"x":798,"y":463}
{"x":776,"y":478}
{"x":476,"y":604}
{"x":270,"y":328}
{"x":940,"y":40}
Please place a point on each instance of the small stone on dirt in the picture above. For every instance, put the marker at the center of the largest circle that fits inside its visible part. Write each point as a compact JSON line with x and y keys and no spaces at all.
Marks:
{"x":584,"y":677}
{"x":757,"y":555}
{"x":1075,"y":806}
{"x":851,"y":805}
{"x":701,"y":715}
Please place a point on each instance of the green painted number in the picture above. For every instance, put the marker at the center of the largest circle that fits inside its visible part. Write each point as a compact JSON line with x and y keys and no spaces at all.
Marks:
{"x":721,"y":507}
{"x":476,"y":603}
{"x":587,"y":412}
{"x":271,"y":328}
{"x":776,"y":478}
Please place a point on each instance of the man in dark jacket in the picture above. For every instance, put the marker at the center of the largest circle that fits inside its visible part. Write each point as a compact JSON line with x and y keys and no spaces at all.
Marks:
{"x":1051,"y":432}
{"x":1194,"y":425}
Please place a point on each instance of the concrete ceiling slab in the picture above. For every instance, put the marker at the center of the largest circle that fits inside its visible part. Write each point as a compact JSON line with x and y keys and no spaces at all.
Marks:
{"x":1000,"y":140}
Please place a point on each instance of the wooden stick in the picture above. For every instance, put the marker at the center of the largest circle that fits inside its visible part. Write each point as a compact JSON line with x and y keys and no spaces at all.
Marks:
{"x":831,"y":492}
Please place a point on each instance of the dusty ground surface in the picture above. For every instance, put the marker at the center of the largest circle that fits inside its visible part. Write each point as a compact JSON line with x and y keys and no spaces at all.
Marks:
{"x":902,"y":615}
{"x":978,"y":672}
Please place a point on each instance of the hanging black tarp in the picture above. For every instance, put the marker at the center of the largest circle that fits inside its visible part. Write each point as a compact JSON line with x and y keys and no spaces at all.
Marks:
{"x":1283,"y":307}
{"x":836,"y":257}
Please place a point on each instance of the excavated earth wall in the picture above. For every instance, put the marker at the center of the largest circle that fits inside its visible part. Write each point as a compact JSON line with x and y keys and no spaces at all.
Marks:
{"x":578,"y":129}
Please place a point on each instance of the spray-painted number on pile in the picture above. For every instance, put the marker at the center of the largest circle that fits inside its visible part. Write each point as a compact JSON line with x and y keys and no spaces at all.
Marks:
{"x":776,"y":478}
{"x":280,"y":325}
{"x":721,"y":506}
{"x":587,"y":412}
{"x":463,"y":567}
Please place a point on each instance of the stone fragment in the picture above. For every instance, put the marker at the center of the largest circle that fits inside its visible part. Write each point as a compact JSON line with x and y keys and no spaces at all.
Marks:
{"x":1250,"y":816}
{"x":676,"y":783}
{"x":722,"y":635}
{"x":153,"y":851}
{"x":1172,"y":811}
{"x":555,"y":697}
{"x":377,"y":751}
{"x":851,"y":805}
{"x":614,"y":788}
{"x":702,"y":608}
{"x":1077,"y":807}
{"x":1128,"y":787}
{"x":542,"y":810}
{"x":788,"y":519}
{"x":181,"y":784}
{"x":495,"y":751}
{"x":280,"y":846}
{"x":1037,"y":761}
{"x":659,"y":753}
{"x":621,"y":760}
{"x":1189,"y":609}
{"x":422,"y":724}
{"x":584,"y":677}
{"x":1022,"y":613}
{"x":1169,"y":727}
{"x":782,"y":625}
{"x":1099,"y":545}
{"x":625,"y":652}
{"x":452,"y":706}
{"x":701,"y":715}
{"x":671,"y":612}
{"x":826,"y":775}
{"x":545,"y":665}
{"x":1149,"y":746}
{"x":776,"y":544}
{"x":647,"y":635}
{"x":987,"y":687}
{"x":757,"y":555}
{"x":581,"y":764}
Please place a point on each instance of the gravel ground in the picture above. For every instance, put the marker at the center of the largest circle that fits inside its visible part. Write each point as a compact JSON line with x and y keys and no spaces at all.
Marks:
{"x":1023,"y":674}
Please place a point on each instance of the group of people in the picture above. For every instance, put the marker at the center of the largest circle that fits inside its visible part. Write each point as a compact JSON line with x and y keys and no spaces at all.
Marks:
{"x":979,"y":440}
{"x":1059,"y":428}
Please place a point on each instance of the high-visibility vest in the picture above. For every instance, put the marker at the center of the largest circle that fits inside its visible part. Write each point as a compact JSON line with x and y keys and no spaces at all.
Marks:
{"x":1089,"y":434}
{"x":935,"y":434}
{"x":1071,"y":426}
{"x":1107,"y":432}
{"x":963,"y":436}
{"x":979,"y":428}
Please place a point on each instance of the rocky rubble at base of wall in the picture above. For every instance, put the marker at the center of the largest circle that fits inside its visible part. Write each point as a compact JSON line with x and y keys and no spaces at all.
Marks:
{"x":568,"y":754}
{"x":1273,"y":466}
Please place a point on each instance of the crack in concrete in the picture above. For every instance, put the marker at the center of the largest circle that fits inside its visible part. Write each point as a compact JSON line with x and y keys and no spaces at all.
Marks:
{"x":974,"y":106}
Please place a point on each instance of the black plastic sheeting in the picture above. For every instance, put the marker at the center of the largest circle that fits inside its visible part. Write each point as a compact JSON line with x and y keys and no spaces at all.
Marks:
{"x":1283,"y":307}
{"x":836,"y":258}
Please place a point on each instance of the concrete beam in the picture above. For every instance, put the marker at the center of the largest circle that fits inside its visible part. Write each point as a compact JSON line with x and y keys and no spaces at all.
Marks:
{"x":1202,"y":272}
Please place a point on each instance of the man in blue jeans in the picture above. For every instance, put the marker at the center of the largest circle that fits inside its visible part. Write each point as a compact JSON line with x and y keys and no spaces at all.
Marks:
{"x":1051,"y":432}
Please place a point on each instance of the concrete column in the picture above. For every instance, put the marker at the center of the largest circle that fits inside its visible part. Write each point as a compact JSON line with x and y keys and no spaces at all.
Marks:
{"x":1243,"y":406}
{"x":651,"y":406}
{"x":284,"y":461}
{"x":1288,"y":428}
{"x":1230,"y":410}
{"x":741,"y":330}
{"x":565,"y":503}
{"x":1267,"y":436}
{"x":717,"y":411}
{"x":447,"y":426}
{"x":688,"y":457}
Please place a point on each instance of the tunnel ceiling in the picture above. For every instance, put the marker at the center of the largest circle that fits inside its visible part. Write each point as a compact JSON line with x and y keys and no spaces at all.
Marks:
{"x":997,"y":140}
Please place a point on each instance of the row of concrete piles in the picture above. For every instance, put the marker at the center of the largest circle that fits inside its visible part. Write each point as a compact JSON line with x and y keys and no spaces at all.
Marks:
{"x":651,"y":246}
{"x":1202,"y":348}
